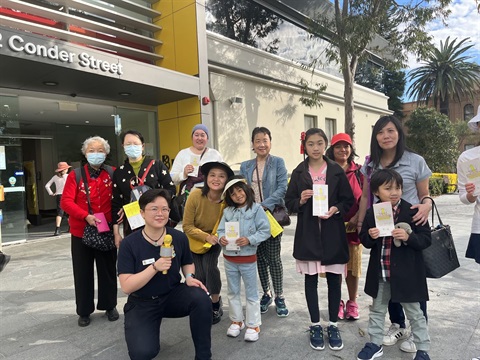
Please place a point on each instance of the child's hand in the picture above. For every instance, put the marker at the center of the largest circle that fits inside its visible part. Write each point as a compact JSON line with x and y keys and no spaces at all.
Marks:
{"x":374,"y":233}
{"x":223,"y":241}
{"x":242,"y":241}
{"x":305,"y":195}
{"x":333,"y":210}
{"x":400,"y":234}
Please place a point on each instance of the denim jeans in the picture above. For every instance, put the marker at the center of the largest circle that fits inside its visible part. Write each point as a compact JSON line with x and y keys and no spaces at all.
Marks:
{"x":248,"y":272}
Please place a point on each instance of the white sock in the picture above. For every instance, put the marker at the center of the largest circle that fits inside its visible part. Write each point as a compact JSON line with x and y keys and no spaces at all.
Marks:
{"x":315,"y":324}
{"x":332,"y":323}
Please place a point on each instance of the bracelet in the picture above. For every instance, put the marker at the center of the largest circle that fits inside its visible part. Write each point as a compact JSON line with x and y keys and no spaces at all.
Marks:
{"x":154,"y":267}
{"x":190,"y":275}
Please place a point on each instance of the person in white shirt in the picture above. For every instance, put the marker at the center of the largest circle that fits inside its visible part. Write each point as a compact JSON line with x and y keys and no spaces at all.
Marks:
{"x":467,"y":189}
{"x":186,"y":165}
{"x":59,"y":180}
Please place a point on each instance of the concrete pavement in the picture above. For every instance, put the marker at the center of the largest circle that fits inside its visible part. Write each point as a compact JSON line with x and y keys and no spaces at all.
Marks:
{"x":38,"y":320}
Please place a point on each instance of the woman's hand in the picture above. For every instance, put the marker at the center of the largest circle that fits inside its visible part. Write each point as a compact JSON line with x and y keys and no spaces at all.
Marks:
{"x":332,"y":211}
{"x":164,"y":263}
{"x":212,"y":239}
{"x":190,"y":281}
{"x":120,"y":214}
{"x":188,"y":169}
{"x":305,"y":195}
{"x":118,"y":239}
{"x":92,"y":220}
{"x":421,"y":217}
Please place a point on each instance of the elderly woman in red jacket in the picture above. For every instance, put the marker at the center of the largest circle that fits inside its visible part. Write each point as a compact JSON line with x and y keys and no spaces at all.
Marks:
{"x":74,"y":202}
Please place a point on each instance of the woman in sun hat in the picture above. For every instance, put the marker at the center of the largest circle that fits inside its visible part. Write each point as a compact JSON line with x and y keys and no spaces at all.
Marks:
{"x":59,"y":180}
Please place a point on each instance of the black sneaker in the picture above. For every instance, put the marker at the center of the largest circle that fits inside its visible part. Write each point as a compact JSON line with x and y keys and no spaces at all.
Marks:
{"x":83,"y":321}
{"x":421,"y":355}
{"x":370,"y":351}
{"x":217,"y":311}
{"x":265,"y":302}
{"x":112,"y":315}
{"x":4,"y":259}
{"x":316,"y":337}
{"x":334,"y":340}
{"x":282,"y":310}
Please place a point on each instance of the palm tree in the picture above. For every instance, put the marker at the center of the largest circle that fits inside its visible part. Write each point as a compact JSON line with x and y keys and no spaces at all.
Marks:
{"x":447,"y":74}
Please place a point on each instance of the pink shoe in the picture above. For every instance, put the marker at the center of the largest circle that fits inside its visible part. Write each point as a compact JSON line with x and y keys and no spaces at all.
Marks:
{"x":352,"y":311}
{"x":341,"y":310}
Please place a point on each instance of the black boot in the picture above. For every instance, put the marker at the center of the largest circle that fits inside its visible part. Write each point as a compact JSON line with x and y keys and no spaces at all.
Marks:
{"x":217,"y":311}
{"x":57,"y":231}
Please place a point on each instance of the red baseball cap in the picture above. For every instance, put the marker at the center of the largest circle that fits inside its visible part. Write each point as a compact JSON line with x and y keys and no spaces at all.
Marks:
{"x":341,"y":137}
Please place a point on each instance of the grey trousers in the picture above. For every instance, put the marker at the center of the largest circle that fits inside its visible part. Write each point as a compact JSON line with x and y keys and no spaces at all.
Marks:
{"x":415,"y":315}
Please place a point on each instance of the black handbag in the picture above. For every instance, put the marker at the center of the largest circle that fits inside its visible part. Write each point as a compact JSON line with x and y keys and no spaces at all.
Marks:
{"x":280,"y":214}
{"x":103,"y":241}
{"x":441,"y":257}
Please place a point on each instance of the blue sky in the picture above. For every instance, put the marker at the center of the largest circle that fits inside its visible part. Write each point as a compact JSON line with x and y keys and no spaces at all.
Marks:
{"x":463,"y":22}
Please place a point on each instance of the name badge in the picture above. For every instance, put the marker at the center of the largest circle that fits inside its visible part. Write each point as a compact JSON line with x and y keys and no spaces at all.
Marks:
{"x":148,"y":261}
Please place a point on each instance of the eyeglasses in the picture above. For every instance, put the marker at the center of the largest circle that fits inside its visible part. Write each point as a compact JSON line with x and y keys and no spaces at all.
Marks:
{"x":155,"y":210}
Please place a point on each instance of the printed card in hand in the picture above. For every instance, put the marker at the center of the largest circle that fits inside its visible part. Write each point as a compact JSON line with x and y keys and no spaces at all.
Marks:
{"x":102,"y":226}
{"x":132,"y":212}
{"x":195,"y":161}
{"x":232,"y":233}
{"x":471,"y":168}
{"x":383,"y":214}
{"x":320,"y":200}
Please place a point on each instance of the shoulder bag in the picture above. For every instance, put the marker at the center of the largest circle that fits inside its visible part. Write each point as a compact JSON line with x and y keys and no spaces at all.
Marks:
{"x":103,"y":241}
{"x":441,"y":257}
{"x":279,"y":212}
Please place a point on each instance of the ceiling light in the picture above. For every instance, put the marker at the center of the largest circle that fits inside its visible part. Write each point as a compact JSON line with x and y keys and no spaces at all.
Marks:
{"x":50,"y":83}
{"x":124,"y":93}
{"x":87,"y":122}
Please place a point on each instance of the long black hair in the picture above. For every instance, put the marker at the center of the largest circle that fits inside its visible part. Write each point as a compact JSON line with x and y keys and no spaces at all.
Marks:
{"x":311,"y":132}
{"x":376,"y":151}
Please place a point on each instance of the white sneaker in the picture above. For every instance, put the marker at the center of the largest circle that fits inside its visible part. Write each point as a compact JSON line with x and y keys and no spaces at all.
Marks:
{"x":252,"y":334}
{"x":395,"y":333}
{"x":408,"y":345}
{"x":235,"y":328}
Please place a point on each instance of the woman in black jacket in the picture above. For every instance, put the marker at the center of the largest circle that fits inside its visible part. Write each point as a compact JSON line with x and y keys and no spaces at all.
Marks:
{"x":128,"y":179}
{"x":320,"y":244}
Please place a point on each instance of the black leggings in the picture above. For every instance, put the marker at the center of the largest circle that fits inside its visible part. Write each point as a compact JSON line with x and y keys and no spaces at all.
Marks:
{"x":334,"y":296}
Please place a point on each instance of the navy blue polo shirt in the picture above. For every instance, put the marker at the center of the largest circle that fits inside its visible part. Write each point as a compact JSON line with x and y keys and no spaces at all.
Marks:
{"x":136,"y":254}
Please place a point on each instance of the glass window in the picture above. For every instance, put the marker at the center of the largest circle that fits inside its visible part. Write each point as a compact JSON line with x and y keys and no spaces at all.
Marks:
{"x":330,"y":127}
{"x":310,"y":121}
{"x":468,"y":112}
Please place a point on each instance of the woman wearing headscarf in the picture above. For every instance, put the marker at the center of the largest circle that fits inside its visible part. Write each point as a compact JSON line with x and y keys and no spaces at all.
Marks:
{"x":74,"y":202}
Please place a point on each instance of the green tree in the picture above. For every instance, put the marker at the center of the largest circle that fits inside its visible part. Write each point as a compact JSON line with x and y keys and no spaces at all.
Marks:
{"x":425,"y":128}
{"x":353,"y":29}
{"x":243,"y":21}
{"x":447,"y":74}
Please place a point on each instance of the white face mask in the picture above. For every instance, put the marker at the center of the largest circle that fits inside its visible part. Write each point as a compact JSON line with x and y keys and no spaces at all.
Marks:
{"x":96,"y":159}
{"x":133,"y":151}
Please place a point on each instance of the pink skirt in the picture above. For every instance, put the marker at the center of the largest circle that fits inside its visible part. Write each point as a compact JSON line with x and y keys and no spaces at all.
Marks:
{"x":316,"y":267}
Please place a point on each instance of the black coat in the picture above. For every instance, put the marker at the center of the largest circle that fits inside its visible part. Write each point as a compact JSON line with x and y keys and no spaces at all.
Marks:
{"x":330,"y":246}
{"x":124,"y":177}
{"x":408,"y":280}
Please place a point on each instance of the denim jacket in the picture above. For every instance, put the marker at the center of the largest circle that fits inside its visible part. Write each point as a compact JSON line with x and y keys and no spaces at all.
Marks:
{"x":274,"y":180}
{"x":254,"y":225}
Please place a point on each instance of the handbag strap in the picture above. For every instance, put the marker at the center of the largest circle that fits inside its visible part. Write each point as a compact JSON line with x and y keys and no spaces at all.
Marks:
{"x":434,"y":210}
{"x":203,"y":152}
{"x":142,"y":179}
{"x":87,"y":192}
{"x":215,"y":227}
{"x":259,"y":182}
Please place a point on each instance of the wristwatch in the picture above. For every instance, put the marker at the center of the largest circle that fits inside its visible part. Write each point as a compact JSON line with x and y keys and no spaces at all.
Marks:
{"x":190,"y":275}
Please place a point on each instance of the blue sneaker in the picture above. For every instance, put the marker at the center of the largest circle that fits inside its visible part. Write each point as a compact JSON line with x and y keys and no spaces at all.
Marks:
{"x":370,"y":351}
{"x":334,"y":340}
{"x":282,"y":310}
{"x":316,"y":337}
{"x":265,"y":303}
{"x":421,"y":355}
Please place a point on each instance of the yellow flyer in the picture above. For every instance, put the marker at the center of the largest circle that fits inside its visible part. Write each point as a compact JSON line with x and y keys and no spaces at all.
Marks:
{"x":132,"y":212}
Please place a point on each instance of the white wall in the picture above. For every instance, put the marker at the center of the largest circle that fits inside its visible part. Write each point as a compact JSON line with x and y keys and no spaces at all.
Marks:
{"x":268,"y":87}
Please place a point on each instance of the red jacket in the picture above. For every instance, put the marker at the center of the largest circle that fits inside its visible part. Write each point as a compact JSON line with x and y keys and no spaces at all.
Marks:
{"x":74,"y":199}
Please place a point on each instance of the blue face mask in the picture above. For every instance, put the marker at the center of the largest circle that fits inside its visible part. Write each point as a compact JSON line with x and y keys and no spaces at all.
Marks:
{"x":96,"y":159}
{"x":133,"y":151}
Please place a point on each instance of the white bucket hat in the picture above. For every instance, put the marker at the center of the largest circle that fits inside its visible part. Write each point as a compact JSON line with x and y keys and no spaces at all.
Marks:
{"x":472,"y":124}
{"x":230,"y":184}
